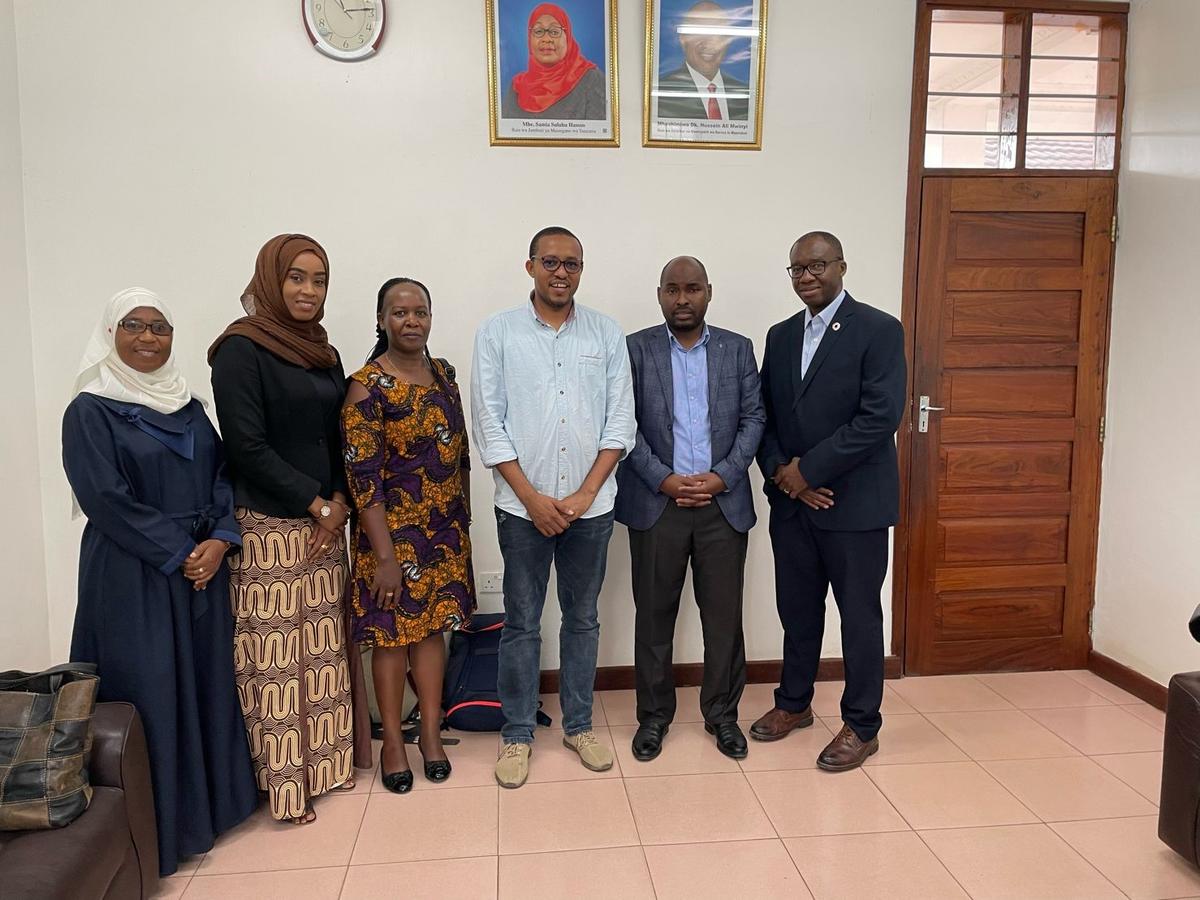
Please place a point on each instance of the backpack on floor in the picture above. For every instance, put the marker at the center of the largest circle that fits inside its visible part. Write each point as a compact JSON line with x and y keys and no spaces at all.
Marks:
{"x":470,"y":700}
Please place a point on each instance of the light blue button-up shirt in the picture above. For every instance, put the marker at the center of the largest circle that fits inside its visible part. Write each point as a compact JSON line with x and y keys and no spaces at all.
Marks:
{"x":814,"y":330}
{"x":691,"y":431}
{"x":551,"y":400}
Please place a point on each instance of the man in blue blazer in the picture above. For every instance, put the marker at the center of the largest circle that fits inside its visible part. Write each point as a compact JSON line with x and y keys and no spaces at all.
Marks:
{"x":685,"y":495}
{"x":833,"y":385}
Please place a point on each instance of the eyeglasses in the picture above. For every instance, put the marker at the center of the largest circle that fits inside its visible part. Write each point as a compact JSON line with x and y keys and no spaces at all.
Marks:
{"x":815,"y":268}
{"x":553,"y":31}
{"x":551,"y":264}
{"x":137,"y":326}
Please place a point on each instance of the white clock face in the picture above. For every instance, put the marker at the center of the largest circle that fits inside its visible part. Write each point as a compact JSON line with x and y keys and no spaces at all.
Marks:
{"x":344,"y":29}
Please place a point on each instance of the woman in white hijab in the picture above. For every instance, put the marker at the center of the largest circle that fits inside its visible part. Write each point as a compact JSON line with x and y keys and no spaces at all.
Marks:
{"x":146,"y":468}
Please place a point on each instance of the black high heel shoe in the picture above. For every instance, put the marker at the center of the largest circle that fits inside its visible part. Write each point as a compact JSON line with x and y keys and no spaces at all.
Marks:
{"x":436,"y":770}
{"x":400,"y":782}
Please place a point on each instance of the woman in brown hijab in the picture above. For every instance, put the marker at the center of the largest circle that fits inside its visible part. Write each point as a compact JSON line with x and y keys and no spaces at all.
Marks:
{"x":279,"y":386}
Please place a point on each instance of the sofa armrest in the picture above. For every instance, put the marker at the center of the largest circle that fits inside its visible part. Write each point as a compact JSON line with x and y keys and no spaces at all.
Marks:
{"x":120,"y":759}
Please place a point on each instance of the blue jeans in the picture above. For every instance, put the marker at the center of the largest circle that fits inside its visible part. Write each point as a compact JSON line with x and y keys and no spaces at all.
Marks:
{"x":579,"y":555}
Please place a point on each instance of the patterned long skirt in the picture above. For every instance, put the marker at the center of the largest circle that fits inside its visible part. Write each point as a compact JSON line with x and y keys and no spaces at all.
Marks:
{"x":290,"y":660}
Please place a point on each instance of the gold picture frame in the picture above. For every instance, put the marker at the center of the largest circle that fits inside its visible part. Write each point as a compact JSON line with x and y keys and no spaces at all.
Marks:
{"x":737,"y":124}
{"x":507,"y":18}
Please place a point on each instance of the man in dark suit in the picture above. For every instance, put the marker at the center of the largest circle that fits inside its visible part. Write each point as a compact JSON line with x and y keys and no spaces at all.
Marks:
{"x":699,"y":89}
{"x":684,"y":494}
{"x":833,"y":386}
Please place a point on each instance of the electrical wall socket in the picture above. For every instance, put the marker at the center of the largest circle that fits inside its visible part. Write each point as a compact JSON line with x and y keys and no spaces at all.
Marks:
{"x":490,"y":582}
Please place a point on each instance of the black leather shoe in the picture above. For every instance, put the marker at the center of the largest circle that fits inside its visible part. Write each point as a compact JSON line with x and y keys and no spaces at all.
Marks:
{"x":398,"y":782}
{"x":730,"y":739}
{"x":435,"y":769}
{"x":647,"y":742}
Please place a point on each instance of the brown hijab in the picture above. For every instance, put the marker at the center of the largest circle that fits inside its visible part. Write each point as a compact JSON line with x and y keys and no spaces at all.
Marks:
{"x":268,"y":322}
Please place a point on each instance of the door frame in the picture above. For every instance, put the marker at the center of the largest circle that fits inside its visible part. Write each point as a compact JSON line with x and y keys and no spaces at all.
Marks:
{"x":911,"y":258}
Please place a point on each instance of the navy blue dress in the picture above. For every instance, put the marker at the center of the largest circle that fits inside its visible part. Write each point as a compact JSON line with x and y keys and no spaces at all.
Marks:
{"x":152,"y":486}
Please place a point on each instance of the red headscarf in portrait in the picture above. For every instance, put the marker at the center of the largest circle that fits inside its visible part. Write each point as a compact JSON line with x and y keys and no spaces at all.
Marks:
{"x":539,"y":87}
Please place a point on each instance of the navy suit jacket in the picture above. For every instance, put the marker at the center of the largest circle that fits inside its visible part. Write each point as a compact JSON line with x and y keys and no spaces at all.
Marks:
{"x":839,"y":419}
{"x":736,"y":417}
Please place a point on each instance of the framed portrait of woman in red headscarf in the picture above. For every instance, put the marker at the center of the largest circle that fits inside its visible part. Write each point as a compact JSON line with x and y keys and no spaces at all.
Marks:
{"x":704,"y":74}
{"x":552,"y":73}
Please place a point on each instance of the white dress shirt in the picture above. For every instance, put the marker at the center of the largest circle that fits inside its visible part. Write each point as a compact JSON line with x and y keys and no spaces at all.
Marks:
{"x":814,"y":330}
{"x":551,"y":400}
{"x":702,"y":84}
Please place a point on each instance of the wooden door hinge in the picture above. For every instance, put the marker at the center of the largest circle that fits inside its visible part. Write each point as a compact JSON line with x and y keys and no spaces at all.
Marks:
{"x":1102,"y":422}
{"x":1112,"y":233}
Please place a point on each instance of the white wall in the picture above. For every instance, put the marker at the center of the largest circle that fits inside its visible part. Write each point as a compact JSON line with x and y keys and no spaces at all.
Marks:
{"x":1149,"y":567}
{"x":164,"y":142}
{"x":24,"y":639}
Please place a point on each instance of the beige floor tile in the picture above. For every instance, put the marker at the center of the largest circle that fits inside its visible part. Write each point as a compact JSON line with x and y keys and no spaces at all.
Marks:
{"x":687,"y":750}
{"x":759,"y":869}
{"x":1096,"y":730}
{"x":827,"y":700}
{"x":687,"y":809}
{"x":896,"y":865}
{"x":948,"y":795}
{"x":1104,"y":688}
{"x":1042,"y":690}
{"x":442,"y":879}
{"x":620,"y":707}
{"x":799,"y":750}
{"x":312,"y":884}
{"x":613,"y":872}
{"x":815,"y":802}
{"x":1141,"y":771}
{"x":553,"y":708}
{"x":171,"y":888}
{"x":910,"y":739}
{"x":1060,"y":790}
{"x":757,"y":700}
{"x":1148,"y":713}
{"x":188,"y":866}
{"x":551,"y":761}
{"x":443,"y":824}
{"x":948,"y":693}
{"x":260,"y":844}
{"x":565,"y":815}
{"x":1130,"y":854}
{"x":1025,"y":862}
{"x":473,"y":759}
{"x":1001,"y":734}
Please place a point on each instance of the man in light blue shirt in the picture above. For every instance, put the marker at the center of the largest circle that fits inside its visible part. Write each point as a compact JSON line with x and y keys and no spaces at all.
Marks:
{"x":552,"y":410}
{"x":684,"y":494}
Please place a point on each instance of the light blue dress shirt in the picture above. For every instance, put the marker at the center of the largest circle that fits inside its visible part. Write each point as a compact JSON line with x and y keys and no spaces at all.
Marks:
{"x":691,"y":431}
{"x":551,"y":400}
{"x":814,"y":330}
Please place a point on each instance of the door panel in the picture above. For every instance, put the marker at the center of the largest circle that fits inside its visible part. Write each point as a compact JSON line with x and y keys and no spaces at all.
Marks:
{"x":1012,"y":306}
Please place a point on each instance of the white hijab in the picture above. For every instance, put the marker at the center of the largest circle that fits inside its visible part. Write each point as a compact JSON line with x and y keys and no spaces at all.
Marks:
{"x":102,"y":372}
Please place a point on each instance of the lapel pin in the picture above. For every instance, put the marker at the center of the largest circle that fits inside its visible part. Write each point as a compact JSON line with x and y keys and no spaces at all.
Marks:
{"x":836,"y":326}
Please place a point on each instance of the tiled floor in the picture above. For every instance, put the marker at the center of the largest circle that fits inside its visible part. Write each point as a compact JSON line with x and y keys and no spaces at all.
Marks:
{"x":1020,"y":786}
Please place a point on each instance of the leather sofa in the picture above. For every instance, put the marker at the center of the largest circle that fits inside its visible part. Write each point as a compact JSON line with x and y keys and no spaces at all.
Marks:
{"x":1179,"y":805}
{"x":109,"y":851}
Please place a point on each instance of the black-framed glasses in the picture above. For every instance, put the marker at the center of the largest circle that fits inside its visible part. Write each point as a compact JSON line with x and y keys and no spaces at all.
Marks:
{"x":553,"y":31}
{"x":816,"y":267}
{"x":551,"y":264}
{"x":137,"y":326}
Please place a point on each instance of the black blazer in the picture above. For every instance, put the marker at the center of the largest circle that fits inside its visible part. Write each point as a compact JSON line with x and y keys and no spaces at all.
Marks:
{"x":840,"y":420}
{"x":678,"y":99}
{"x":281,"y":427}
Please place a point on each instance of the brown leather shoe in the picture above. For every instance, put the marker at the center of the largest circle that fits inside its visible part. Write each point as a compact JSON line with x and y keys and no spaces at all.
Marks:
{"x":846,"y":751}
{"x":779,"y":723}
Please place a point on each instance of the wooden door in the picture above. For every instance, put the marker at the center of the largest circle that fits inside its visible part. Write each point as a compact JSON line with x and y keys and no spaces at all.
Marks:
{"x":1012,"y":324}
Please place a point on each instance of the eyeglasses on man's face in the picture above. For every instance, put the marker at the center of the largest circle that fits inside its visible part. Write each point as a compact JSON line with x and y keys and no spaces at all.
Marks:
{"x":816,"y":268}
{"x":553,"y":31}
{"x":137,"y":326}
{"x":551,"y":264}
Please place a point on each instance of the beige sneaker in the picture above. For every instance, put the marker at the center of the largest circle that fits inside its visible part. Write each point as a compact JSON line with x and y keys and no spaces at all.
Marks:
{"x":512,"y":768}
{"x":592,"y":753}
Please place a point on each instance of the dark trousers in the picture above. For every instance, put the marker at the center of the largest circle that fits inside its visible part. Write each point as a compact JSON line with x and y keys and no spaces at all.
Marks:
{"x":807,"y":561}
{"x":660,"y":558}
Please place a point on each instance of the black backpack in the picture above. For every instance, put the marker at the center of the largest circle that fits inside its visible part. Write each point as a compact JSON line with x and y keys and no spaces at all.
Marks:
{"x":469,"y":700}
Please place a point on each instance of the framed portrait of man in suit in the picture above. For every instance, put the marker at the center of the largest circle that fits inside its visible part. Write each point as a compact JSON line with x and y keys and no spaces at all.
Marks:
{"x":704,"y":73}
{"x":552,"y":73}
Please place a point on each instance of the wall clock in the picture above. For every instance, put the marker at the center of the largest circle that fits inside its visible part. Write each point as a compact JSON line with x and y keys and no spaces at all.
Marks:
{"x":344,"y":29}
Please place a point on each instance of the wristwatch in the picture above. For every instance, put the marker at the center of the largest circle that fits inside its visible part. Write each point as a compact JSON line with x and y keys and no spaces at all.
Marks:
{"x":326,"y":511}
